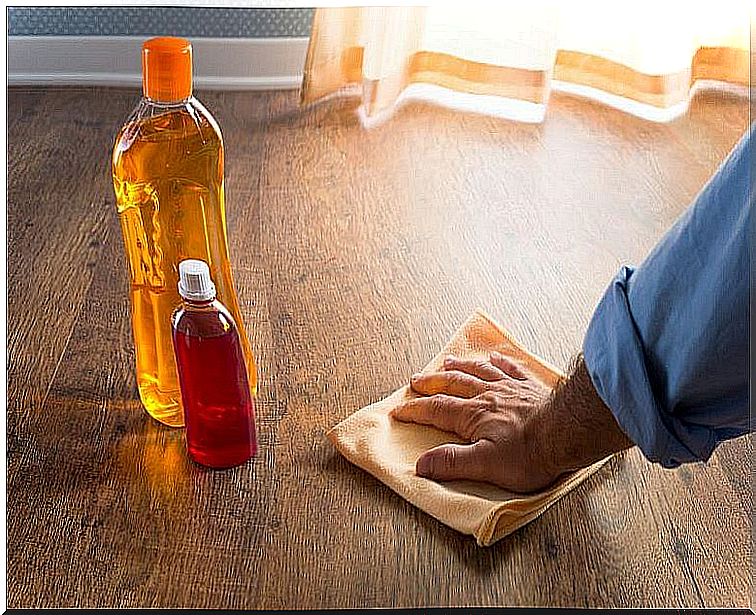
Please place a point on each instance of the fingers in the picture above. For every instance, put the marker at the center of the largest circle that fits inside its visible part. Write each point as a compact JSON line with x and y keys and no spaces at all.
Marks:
{"x":457,"y":462}
{"x":478,"y":368}
{"x":499,"y":367}
{"x":509,"y":366}
{"x":455,"y":383}
{"x":442,"y":411}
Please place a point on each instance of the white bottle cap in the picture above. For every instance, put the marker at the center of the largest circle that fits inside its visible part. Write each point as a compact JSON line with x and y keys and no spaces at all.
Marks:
{"x":195,"y":283}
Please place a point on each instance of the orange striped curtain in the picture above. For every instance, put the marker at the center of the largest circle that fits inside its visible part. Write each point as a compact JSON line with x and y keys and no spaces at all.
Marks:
{"x":642,"y":56}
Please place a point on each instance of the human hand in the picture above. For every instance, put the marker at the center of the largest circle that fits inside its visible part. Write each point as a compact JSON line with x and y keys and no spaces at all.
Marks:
{"x":522,"y":435}
{"x":493,"y":405}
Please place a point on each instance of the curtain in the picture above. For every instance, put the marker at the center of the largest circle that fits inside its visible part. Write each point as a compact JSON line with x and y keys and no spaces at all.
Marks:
{"x":504,"y":58}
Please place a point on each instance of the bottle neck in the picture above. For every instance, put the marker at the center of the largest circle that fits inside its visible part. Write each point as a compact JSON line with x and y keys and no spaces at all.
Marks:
{"x":162,"y":104}
{"x":198,"y":304}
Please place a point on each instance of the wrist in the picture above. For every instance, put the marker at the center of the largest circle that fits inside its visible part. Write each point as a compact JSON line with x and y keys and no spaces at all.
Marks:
{"x":541,"y":438}
{"x":574,"y":428}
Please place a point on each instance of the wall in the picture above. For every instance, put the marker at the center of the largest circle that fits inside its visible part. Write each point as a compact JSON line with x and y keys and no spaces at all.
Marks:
{"x":151,"y":21}
{"x":234,"y":48}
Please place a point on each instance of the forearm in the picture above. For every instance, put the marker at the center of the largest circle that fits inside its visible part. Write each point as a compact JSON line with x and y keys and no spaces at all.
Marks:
{"x":667,"y":346}
{"x":574,"y":428}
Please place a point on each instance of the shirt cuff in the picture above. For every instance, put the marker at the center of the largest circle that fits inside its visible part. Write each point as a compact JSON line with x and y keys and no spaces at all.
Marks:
{"x":614,"y":356}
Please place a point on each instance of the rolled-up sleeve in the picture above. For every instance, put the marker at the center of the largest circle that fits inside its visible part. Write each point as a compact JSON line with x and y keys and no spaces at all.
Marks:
{"x":667,"y":347}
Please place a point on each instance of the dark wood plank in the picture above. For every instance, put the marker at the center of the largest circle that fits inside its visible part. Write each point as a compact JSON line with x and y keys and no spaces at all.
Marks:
{"x":121,"y":504}
{"x":426,"y":240}
{"x":55,"y":221}
{"x":356,"y":253}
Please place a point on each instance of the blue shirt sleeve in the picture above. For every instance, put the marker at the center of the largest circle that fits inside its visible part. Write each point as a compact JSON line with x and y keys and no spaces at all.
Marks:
{"x":667,"y":347}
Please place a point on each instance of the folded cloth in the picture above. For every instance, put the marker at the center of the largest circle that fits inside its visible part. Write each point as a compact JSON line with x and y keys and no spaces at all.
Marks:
{"x":388,"y":449}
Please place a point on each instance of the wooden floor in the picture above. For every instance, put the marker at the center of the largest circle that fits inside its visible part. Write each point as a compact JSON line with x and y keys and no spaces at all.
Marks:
{"x":357,"y":253}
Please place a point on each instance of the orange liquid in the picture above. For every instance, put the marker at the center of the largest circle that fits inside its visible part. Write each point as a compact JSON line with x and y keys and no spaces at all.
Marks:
{"x":168,"y":180}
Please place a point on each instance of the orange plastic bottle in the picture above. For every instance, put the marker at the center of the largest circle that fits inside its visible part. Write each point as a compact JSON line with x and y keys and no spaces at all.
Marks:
{"x":168,"y":180}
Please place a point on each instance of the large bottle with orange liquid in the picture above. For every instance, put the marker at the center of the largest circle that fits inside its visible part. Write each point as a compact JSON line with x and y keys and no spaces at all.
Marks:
{"x":168,"y":180}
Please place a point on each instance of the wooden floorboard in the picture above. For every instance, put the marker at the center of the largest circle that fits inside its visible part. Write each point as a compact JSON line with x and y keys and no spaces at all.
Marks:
{"x":356,"y":254}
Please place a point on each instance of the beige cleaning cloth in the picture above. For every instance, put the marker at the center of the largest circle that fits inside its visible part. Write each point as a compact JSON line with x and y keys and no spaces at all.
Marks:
{"x":388,"y":449}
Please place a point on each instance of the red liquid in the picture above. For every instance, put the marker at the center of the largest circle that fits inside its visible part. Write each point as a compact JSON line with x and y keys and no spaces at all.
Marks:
{"x":218,"y":408}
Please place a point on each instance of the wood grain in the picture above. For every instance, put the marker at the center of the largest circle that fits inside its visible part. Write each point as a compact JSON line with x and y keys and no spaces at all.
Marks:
{"x":356,"y":253}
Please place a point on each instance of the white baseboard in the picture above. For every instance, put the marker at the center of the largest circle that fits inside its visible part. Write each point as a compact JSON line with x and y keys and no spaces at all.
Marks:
{"x":219,"y":63}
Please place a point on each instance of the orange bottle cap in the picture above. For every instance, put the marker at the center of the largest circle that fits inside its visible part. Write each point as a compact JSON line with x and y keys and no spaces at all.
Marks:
{"x":167,"y":69}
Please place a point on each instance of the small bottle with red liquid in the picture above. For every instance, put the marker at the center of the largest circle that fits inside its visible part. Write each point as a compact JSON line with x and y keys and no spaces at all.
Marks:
{"x":218,"y":407}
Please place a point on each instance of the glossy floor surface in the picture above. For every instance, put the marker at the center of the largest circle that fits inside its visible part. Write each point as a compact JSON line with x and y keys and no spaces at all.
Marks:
{"x":356,"y":254}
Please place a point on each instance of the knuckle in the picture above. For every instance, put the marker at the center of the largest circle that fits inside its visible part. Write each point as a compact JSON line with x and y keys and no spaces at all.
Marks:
{"x":482,"y":365}
{"x":519,"y":371}
{"x":449,"y":458}
{"x":437,"y":403}
{"x":458,"y":380}
{"x":488,"y":399}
